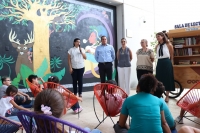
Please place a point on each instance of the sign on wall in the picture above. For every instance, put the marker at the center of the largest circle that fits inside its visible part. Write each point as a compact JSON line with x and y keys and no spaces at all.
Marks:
{"x":187,"y":25}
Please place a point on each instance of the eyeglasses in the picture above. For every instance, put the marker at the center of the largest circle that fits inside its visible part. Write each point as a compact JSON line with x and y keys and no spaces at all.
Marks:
{"x":8,"y":80}
{"x":142,"y":42}
{"x":123,"y":41}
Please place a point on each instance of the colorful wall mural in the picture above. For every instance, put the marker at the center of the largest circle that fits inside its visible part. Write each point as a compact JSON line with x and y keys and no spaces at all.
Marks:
{"x":35,"y":36}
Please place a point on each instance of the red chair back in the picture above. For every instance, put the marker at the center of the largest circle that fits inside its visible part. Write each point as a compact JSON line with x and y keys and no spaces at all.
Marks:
{"x":70,"y":98}
{"x":34,"y":88}
{"x":110,"y":97}
{"x":190,"y":102}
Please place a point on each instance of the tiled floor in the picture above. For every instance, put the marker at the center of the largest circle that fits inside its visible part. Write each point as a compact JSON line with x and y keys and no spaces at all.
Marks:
{"x":87,"y":117}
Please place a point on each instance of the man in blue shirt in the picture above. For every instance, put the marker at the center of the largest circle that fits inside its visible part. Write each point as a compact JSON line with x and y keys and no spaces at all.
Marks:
{"x":105,"y":55}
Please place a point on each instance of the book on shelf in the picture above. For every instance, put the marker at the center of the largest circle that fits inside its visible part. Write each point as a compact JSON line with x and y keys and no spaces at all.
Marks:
{"x":184,"y":62}
{"x":183,"y":52}
{"x":187,"y":41}
{"x":178,"y":41}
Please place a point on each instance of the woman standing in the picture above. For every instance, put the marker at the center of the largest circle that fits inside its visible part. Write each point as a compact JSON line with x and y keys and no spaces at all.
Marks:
{"x":145,"y":58}
{"x":164,"y":69}
{"x":76,"y":56}
{"x":124,"y":57}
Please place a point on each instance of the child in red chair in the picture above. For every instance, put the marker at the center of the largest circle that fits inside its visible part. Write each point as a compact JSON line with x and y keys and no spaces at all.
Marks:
{"x":76,"y":107}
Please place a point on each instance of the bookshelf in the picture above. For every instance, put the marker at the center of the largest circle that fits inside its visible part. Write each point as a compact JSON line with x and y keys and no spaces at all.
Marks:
{"x":186,"y":45}
{"x":186,"y":63}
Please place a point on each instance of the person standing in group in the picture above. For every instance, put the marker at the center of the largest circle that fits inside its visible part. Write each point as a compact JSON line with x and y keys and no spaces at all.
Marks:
{"x":124,"y":57}
{"x":145,"y":58}
{"x":164,"y":69}
{"x":76,"y":56}
{"x":105,"y":55}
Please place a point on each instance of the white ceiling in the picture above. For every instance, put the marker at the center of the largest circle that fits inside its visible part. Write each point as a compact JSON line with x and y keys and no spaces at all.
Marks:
{"x":111,"y":2}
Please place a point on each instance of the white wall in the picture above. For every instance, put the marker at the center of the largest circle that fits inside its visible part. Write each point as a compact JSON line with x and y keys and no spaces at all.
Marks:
{"x":131,"y":18}
{"x":159,"y":15}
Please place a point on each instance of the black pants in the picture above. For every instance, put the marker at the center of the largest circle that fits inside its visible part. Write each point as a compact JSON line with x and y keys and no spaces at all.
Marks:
{"x":105,"y":70}
{"x":141,"y":72}
{"x":77,"y":77}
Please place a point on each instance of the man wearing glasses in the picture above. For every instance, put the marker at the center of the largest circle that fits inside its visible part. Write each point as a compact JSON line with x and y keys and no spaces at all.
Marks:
{"x":105,"y":55}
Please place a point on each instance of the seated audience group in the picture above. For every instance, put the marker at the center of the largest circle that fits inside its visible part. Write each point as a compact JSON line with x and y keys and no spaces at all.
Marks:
{"x":147,"y":109}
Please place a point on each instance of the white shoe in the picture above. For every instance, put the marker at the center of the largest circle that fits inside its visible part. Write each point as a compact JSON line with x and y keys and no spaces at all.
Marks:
{"x":179,"y":120}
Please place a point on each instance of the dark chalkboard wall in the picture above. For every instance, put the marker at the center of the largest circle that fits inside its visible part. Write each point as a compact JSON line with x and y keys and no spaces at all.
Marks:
{"x":90,"y":16}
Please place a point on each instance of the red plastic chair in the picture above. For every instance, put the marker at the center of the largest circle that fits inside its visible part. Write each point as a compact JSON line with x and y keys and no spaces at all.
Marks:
{"x":111,"y":98}
{"x":69,"y":97}
{"x":190,"y":102}
{"x":34,"y":88}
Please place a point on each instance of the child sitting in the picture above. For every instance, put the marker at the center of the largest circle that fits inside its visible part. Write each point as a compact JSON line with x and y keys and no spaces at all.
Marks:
{"x":55,"y":104}
{"x":168,"y":116}
{"x":76,"y":107}
{"x":35,"y":86}
{"x":7,"y":103}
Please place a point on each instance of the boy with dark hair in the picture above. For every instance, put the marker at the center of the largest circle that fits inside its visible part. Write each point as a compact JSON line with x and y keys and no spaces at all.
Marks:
{"x":35,"y":80}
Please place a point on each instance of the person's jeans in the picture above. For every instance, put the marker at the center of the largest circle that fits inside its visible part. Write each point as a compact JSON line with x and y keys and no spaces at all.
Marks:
{"x":75,"y":106}
{"x":77,"y":76}
{"x":119,"y":129}
{"x":14,"y":118}
{"x":13,"y":112}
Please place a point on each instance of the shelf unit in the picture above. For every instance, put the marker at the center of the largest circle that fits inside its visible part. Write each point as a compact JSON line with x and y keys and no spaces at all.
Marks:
{"x":186,"y":54}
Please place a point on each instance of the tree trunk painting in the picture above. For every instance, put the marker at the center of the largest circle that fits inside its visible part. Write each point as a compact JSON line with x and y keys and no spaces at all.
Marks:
{"x":41,"y":45}
{"x":41,"y":13}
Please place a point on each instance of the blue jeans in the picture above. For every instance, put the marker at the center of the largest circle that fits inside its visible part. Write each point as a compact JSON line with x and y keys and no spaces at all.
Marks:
{"x":75,"y":106}
{"x":92,"y":131}
{"x":14,"y":118}
{"x":13,"y":112}
{"x":174,"y":131}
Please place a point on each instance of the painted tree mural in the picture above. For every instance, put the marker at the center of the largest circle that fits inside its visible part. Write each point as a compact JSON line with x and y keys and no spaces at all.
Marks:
{"x":43,"y":14}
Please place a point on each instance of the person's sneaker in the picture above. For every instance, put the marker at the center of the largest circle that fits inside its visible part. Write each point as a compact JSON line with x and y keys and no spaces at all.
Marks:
{"x":78,"y":110}
{"x":179,"y":120}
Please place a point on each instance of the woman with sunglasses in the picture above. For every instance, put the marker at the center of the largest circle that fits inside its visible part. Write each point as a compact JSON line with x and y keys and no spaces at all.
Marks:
{"x":145,"y":58}
{"x":124,"y":57}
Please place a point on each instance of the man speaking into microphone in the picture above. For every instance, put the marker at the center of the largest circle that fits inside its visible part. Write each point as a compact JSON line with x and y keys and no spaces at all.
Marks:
{"x":105,"y":55}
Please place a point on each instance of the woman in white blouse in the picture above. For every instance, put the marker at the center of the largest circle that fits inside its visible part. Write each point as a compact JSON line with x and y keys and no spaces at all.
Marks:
{"x":76,"y":56}
{"x":164,"y":68}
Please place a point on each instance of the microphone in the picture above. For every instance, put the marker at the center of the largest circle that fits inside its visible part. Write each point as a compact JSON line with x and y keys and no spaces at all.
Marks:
{"x":80,"y":49}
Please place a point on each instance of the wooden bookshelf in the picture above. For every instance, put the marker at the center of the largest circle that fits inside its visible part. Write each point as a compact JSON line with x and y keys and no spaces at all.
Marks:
{"x":186,"y":63}
{"x":187,"y":56}
{"x":183,"y":32}
{"x":191,"y":46}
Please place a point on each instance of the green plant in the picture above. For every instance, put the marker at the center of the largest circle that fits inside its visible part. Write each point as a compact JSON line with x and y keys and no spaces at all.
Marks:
{"x":7,"y":61}
{"x":154,"y":42}
{"x":25,"y":71}
{"x":153,"y":45}
{"x":55,"y":62}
